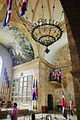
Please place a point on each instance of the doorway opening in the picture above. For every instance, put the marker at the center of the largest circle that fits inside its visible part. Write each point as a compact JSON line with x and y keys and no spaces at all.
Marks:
{"x":50,"y":102}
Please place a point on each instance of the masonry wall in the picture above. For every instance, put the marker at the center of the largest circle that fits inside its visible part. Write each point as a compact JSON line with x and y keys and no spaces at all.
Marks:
{"x":40,"y":69}
{"x":63,"y":62}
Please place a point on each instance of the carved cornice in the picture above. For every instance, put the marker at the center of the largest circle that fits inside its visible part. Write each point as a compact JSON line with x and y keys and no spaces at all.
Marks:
{"x":38,"y":60}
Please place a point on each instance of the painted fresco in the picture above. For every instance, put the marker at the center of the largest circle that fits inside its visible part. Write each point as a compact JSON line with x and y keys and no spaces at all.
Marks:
{"x":17,"y":44}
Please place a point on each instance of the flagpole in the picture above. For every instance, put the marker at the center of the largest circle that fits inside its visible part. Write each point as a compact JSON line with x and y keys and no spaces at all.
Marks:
{"x":69,"y":114}
{"x":36,"y":104}
{"x":70,"y":107}
{"x":42,"y":113}
{"x":64,"y":112}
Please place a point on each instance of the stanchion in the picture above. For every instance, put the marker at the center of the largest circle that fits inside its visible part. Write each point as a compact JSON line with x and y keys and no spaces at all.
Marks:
{"x":33,"y":116}
{"x":69,"y":117}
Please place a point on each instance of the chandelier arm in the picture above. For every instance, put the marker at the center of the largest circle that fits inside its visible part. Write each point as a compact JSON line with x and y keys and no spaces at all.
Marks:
{"x":44,"y":31}
{"x":47,"y":39}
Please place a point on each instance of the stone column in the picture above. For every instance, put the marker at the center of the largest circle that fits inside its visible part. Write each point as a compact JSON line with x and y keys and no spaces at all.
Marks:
{"x":72,"y":11}
{"x":75,"y":59}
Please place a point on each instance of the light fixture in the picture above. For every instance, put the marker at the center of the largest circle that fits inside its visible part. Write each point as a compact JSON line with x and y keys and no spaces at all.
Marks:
{"x":41,"y":24}
{"x":46,"y":33}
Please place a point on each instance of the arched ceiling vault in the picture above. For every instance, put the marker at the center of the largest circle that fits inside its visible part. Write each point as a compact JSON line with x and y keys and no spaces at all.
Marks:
{"x":16,"y":22}
{"x":33,"y":13}
{"x":24,"y":30}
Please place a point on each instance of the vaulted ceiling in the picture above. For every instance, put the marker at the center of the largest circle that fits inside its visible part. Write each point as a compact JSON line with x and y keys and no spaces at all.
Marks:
{"x":17,"y":44}
{"x":37,"y":9}
{"x":46,"y":9}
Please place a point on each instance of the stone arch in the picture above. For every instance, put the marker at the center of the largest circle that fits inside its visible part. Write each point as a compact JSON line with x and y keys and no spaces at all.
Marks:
{"x":23,"y":29}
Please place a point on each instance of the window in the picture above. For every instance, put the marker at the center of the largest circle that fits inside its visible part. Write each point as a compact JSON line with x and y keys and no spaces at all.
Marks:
{"x":21,"y":84}
{"x":24,"y":99}
{"x":25,"y":79}
{"x":23,"y":88}
{"x":29,"y":88}
{"x":20,"y":94}
{"x":20,"y":89}
{"x":16,"y":89}
{"x":24,"y":94}
{"x":21,"y":79}
{"x":16,"y":94}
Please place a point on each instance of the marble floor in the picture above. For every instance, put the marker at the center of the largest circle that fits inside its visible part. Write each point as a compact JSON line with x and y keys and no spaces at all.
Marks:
{"x":46,"y":117}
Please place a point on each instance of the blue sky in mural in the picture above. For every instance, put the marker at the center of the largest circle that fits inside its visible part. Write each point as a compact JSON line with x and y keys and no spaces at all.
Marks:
{"x":17,"y":45}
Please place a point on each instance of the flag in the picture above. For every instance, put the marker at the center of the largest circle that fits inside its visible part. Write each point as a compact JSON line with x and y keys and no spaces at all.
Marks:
{"x":64,"y":112}
{"x":8,"y":13}
{"x":8,"y":2}
{"x":53,"y":75}
{"x":35,"y":90}
{"x":71,"y":107}
{"x":24,"y":7}
{"x":60,"y":75}
{"x":57,"y":76}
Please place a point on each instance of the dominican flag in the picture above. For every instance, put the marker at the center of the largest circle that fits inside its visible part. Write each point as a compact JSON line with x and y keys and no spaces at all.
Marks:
{"x":64,"y":112}
{"x":71,"y":107}
{"x":8,"y":2}
{"x":24,"y":7}
{"x":35,"y":90}
{"x":59,"y":75}
{"x":8,"y":13}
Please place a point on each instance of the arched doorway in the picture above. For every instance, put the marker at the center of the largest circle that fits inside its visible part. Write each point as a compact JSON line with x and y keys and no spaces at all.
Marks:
{"x":50,"y":102}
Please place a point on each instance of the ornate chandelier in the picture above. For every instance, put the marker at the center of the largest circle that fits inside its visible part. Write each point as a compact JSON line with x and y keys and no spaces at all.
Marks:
{"x":43,"y":28}
{"x":46,"y":33}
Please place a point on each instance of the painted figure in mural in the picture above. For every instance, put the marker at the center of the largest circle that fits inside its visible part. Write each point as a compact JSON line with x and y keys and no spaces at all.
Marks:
{"x":14,"y":113}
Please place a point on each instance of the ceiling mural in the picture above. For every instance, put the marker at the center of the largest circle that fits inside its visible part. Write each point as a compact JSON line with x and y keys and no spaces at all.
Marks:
{"x":17,"y":44}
